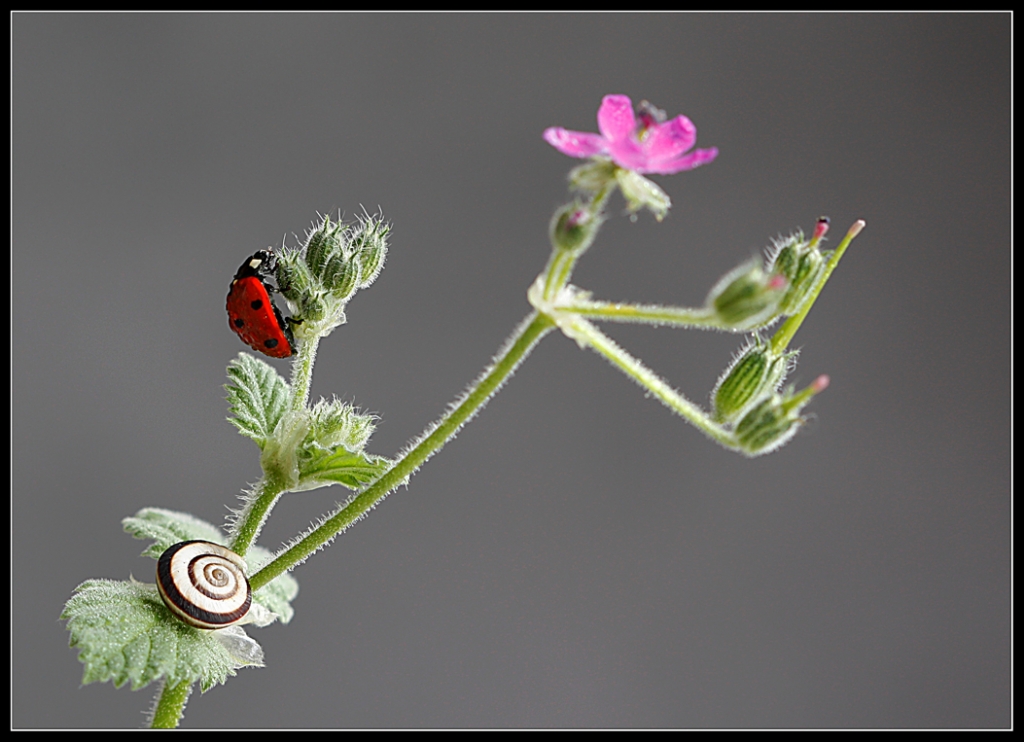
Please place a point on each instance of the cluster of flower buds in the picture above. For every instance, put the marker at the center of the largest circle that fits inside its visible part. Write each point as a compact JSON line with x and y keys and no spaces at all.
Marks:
{"x":747,"y":398}
{"x":752,"y":296}
{"x":337,"y":260}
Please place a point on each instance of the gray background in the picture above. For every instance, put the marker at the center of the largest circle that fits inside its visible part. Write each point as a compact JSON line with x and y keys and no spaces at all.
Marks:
{"x":578,"y":556}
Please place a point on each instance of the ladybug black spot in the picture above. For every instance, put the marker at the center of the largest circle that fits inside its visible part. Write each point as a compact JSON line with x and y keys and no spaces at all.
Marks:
{"x":258,"y":304}
{"x":271,"y":343}
{"x":239,"y":322}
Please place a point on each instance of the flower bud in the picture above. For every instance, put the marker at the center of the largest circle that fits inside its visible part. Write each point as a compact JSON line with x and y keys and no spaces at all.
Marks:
{"x":754,"y":373}
{"x":293,"y":277}
{"x":325,"y":241}
{"x":341,"y":277}
{"x":371,"y":261}
{"x":574,"y":227}
{"x":802,"y":263}
{"x":773,"y":421}
{"x":746,"y":297}
{"x":369,"y":242}
{"x":641,"y":193}
{"x":593,"y":176}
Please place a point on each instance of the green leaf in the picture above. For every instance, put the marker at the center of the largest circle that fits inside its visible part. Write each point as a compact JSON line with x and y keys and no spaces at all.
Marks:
{"x":257,"y":397}
{"x":124,"y":633}
{"x":167,"y":527}
{"x":340,"y":466}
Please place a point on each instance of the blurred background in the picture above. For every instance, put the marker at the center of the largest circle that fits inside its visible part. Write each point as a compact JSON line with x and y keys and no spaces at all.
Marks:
{"x":578,"y":556}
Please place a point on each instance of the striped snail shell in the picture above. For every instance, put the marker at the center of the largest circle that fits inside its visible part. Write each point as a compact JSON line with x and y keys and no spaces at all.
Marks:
{"x":204,"y":584}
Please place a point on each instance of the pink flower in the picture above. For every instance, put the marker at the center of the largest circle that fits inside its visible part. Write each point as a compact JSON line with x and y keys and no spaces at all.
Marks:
{"x":651,"y":145}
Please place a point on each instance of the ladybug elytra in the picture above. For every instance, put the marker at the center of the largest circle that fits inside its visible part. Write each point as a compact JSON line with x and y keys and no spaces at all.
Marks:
{"x":252,"y":314}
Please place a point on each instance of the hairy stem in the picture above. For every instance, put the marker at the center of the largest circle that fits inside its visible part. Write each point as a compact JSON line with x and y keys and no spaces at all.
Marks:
{"x":302,"y":372}
{"x":268,"y":491}
{"x":526,"y":336}
{"x":584,"y":333}
{"x":648,"y":314}
{"x":170,"y":706}
{"x":255,"y":513}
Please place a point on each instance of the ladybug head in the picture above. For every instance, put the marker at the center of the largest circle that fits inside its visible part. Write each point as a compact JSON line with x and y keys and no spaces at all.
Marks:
{"x":260,"y":264}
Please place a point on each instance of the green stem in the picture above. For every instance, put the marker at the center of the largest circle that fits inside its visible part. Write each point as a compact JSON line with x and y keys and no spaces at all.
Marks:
{"x":255,"y":513}
{"x":526,"y":336}
{"x":784,"y":335}
{"x":558,"y":271}
{"x":584,"y":333}
{"x":170,"y":706}
{"x":268,"y":491}
{"x":651,"y":314}
{"x":302,"y":372}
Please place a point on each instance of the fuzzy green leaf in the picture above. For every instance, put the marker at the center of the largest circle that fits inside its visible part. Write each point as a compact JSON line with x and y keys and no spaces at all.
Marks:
{"x":257,"y":397}
{"x":340,"y":466}
{"x":167,"y":527}
{"x":124,"y":633}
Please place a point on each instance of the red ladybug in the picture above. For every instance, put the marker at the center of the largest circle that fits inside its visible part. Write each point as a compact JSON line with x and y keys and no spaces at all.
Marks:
{"x":251,"y":312}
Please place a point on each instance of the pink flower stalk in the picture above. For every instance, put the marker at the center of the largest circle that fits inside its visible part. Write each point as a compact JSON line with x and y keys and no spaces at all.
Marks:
{"x":651,"y":145}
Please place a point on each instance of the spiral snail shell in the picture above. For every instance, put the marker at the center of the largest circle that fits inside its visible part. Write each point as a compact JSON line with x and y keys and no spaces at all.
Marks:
{"x":204,"y":584}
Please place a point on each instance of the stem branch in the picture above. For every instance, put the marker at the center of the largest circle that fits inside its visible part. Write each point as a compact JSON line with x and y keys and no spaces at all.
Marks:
{"x":586,"y":334}
{"x":526,"y":336}
{"x":650,"y":314}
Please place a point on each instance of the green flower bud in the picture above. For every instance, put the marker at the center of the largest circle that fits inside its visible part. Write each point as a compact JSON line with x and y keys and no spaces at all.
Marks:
{"x":746,"y":297}
{"x":370,"y":240}
{"x":574,"y":227}
{"x":330,"y":269}
{"x":594,"y":176}
{"x":802,"y":263}
{"x":371,"y":262}
{"x":641,"y":193}
{"x":343,"y":277}
{"x":325,"y":241}
{"x":312,"y":307}
{"x":773,"y":421}
{"x":293,"y":277}
{"x":753,"y":374}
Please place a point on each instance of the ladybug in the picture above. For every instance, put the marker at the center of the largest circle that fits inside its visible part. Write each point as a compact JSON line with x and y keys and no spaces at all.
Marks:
{"x":251,"y":312}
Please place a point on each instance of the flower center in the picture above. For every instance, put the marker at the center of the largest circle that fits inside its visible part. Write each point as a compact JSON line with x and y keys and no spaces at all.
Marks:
{"x":647,"y":116}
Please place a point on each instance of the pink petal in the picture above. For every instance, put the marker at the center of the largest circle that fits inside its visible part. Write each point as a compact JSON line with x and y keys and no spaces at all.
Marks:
{"x":575,"y":143}
{"x":669,"y":140}
{"x":630,"y":154}
{"x":615,"y":117}
{"x":688,"y":162}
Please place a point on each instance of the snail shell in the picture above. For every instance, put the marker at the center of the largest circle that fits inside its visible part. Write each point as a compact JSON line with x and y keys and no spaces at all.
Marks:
{"x":204,"y":584}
